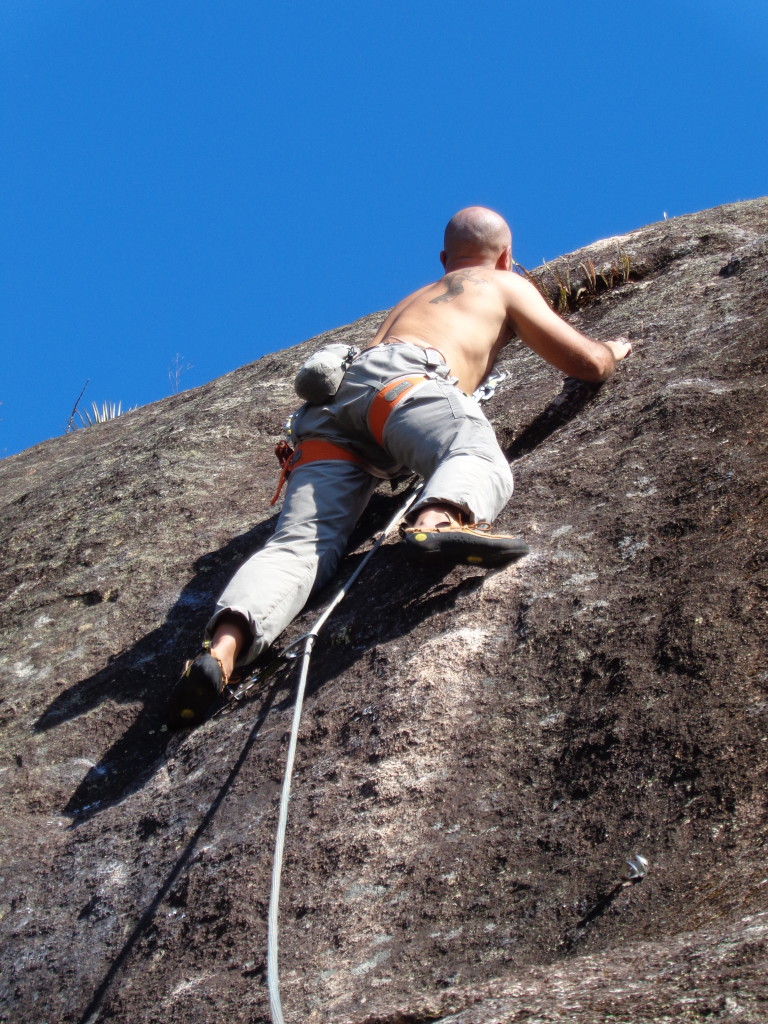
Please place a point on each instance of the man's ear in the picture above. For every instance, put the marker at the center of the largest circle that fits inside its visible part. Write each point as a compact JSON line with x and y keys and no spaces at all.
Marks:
{"x":443,"y":258}
{"x":504,"y":262}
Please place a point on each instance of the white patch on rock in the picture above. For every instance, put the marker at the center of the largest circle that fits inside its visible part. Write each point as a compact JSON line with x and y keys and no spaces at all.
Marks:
{"x":580,"y":579}
{"x":561,"y":531}
{"x":697,"y":384}
{"x":114,"y":873}
{"x":630,"y":547}
{"x":473,"y":636}
{"x":374,"y":962}
{"x":189,"y":983}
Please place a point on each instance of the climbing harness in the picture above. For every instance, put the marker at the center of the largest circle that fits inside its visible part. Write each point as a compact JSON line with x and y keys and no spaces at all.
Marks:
{"x":387,"y":398}
{"x":317,"y":449}
{"x":312,"y":450}
{"x":308,"y":640}
{"x":291,"y":454}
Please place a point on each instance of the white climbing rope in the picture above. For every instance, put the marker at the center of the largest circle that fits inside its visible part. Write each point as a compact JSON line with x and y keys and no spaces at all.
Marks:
{"x":273,"y":979}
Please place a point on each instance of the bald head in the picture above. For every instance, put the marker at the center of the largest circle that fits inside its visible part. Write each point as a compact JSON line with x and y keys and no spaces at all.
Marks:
{"x":473,"y":236}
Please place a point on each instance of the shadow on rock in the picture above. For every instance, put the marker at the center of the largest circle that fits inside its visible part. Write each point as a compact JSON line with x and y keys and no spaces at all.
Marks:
{"x":146,"y":673}
{"x":576,"y":394}
{"x":138,"y":673}
{"x":148,"y":914}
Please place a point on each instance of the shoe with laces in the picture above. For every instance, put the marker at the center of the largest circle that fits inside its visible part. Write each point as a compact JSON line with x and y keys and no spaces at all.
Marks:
{"x":473,"y":544}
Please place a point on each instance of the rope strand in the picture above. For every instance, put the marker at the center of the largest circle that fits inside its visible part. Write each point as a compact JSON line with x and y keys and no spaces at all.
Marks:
{"x":273,"y":977}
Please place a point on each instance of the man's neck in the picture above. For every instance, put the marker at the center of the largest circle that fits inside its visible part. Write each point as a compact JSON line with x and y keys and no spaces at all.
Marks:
{"x":469,"y":264}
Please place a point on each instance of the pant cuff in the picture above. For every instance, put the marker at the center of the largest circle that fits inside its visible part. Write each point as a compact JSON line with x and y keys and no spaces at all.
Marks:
{"x":258,"y":640}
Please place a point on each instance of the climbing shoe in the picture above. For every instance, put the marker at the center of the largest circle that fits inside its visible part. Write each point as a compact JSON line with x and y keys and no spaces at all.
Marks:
{"x":202,"y":681}
{"x":473,"y":544}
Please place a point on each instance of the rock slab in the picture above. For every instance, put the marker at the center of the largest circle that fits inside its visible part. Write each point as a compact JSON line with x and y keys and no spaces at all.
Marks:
{"x":480,"y":751}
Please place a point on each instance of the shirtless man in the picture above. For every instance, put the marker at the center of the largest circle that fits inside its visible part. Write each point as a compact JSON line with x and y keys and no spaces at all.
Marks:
{"x":472,"y":312}
{"x":437,"y":346}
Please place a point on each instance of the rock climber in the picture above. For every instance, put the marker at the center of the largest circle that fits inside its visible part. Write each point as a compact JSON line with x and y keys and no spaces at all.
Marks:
{"x":402,"y":403}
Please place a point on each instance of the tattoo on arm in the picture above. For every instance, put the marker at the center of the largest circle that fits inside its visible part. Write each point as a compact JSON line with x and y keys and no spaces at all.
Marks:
{"x":454,"y":284}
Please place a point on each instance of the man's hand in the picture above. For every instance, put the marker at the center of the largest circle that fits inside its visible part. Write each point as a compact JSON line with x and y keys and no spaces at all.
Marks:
{"x":540,"y":328}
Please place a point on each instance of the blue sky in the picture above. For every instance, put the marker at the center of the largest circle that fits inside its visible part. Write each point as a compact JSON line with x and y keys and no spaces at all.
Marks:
{"x":217,"y":179}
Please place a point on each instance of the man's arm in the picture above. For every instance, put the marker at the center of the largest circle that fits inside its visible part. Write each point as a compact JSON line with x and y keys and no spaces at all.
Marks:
{"x":553,"y":339}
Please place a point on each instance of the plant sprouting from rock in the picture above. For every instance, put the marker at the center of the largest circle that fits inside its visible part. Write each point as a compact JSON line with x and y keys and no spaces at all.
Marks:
{"x":107,"y":411}
{"x":176,"y":371}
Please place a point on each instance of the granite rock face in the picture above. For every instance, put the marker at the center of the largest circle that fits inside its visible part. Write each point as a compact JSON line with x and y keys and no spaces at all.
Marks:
{"x":479,"y":752}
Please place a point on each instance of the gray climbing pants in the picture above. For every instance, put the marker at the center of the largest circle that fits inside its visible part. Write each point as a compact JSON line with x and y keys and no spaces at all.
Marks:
{"x":437,"y":432}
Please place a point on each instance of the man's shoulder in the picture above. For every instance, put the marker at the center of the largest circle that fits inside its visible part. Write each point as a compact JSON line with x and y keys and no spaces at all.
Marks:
{"x":515,"y":287}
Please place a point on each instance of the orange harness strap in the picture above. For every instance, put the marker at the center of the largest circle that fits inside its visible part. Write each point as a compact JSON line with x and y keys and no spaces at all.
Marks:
{"x":386,"y":400}
{"x":309,"y":451}
{"x":315,"y":450}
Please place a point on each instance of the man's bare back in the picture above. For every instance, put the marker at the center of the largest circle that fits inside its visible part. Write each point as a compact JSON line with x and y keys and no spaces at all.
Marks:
{"x":471,"y":313}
